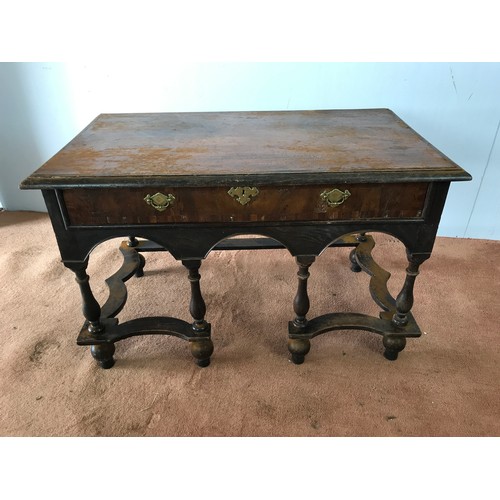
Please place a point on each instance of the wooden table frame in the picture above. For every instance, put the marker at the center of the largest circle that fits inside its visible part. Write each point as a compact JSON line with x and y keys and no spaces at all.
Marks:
{"x":191,"y":242}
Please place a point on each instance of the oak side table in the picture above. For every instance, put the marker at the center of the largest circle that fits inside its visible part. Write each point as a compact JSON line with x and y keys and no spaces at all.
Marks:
{"x":187,"y":182}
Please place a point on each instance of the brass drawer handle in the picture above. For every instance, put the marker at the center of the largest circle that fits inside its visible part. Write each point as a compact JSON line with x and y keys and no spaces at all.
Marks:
{"x":243,"y":194}
{"x":335,"y":197}
{"x":160,"y":201}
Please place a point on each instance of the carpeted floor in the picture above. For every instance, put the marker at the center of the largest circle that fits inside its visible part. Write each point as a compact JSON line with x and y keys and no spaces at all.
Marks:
{"x":446,"y":383}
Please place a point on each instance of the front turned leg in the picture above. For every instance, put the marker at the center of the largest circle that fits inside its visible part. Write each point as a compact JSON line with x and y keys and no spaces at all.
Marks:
{"x":102,"y":353}
{"x":298,"y":348}
{"x":404,"y":300}
{"x":203,"y":348}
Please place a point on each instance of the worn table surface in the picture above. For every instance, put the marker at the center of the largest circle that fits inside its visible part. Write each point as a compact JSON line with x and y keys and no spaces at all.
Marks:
{"x":213,"y":148}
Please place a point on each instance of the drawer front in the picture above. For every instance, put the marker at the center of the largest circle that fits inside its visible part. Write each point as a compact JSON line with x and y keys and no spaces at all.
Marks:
{"x":126,"y":206}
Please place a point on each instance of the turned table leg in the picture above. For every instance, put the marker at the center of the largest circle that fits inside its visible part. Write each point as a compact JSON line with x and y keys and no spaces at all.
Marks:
{"x":202,"y":348}
{"x":300,"y":347}
{"x":102,"y":353}
{"x":133,"y":242}
{"x":394,"y":344}
{"x":355,"y":267}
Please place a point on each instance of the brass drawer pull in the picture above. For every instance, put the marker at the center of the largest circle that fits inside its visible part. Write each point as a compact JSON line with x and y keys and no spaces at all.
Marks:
{"x":243,"y":194}
{"x":335,"y":197}
{"x":160,"y":201}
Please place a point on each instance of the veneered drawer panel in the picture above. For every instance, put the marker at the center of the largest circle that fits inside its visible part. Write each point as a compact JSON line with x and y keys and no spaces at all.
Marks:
{"x":272,"y":203}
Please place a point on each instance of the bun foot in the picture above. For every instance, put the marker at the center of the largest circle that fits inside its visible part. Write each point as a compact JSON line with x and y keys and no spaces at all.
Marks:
{"x":298,"y":349}
{"x":103,"y":354}
{"x":393,"y":346}
{"x":201,"y":351}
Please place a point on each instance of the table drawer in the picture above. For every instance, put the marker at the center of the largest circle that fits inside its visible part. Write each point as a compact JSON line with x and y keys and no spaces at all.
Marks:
{"x":158,"y":205}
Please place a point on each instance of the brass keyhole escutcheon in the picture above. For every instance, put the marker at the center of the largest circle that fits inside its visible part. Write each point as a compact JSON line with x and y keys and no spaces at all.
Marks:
{"x":160,"y":201}
{"x":243,"y":194}
{"x":335,"y":197}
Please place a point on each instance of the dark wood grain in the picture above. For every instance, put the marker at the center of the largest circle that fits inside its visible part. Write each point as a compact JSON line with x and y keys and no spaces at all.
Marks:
{"x":215,"y":148}
{"x":290,"y":203}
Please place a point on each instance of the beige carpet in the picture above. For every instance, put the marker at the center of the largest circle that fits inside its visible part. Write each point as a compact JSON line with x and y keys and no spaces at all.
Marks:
{"x":446,"y":383}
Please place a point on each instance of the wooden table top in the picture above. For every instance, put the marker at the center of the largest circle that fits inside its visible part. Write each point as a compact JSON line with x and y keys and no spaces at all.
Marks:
{"x":285,"y":147}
